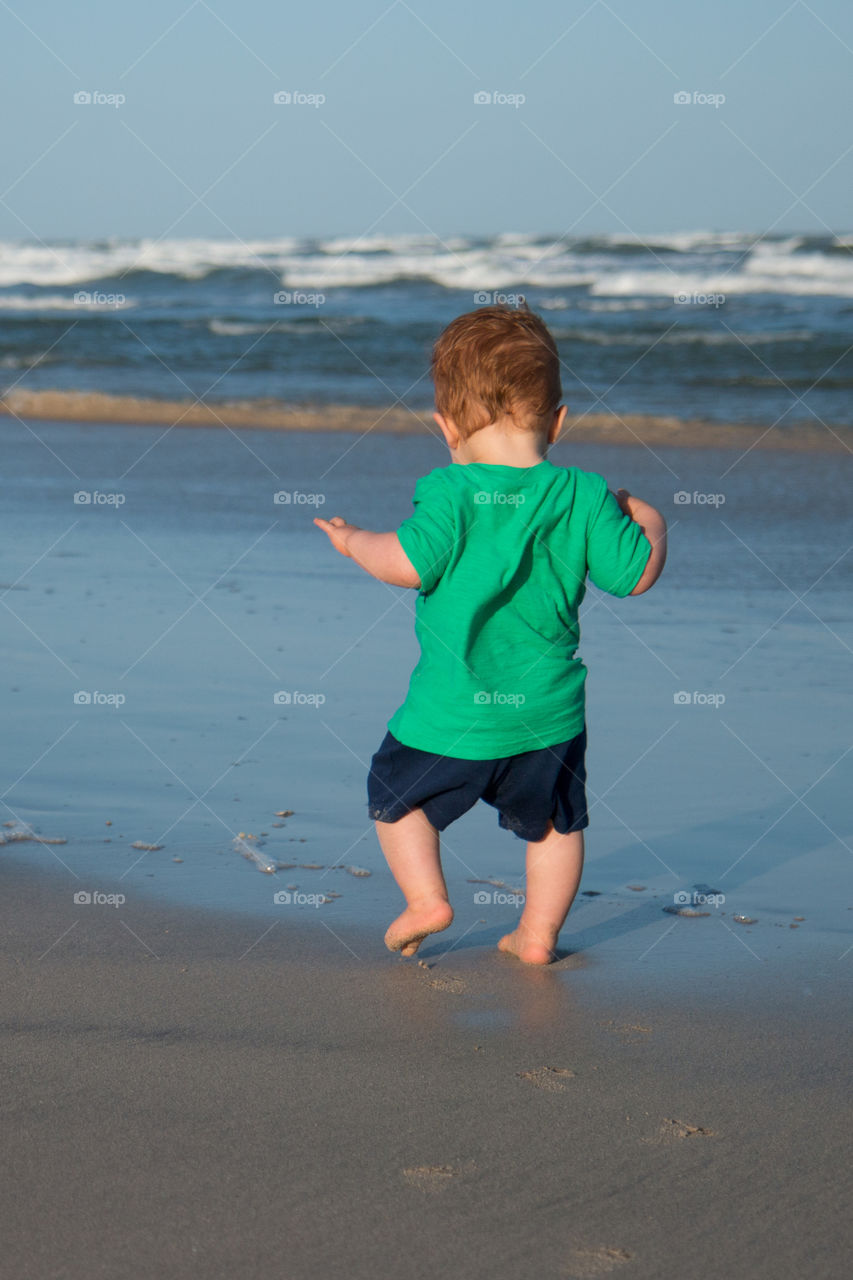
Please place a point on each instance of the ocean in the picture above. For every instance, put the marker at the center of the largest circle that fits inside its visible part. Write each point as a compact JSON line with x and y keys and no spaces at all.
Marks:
{"x":728,"y":327}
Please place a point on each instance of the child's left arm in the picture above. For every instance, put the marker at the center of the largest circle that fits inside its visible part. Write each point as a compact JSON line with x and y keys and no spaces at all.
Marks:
{"x":380,"y":554}
{"x":653,"y":526}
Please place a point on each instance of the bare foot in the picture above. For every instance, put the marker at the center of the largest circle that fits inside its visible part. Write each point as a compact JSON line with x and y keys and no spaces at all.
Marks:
{"x":408,"y":931}
{"x":532,"y":947}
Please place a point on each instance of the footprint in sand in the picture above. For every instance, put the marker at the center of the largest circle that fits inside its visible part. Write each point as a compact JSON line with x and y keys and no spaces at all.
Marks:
{"x":437,"y":1177}
{"x":631,"y":1032}
{"x":456,"y":985}
{"x":585,"y":1264}
{"x":676,"y":1130}
{"x":550,"y":1078}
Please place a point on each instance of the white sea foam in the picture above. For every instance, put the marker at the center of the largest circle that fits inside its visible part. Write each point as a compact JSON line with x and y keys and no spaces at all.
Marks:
{"x":619,"y":304}
{"x":234,"y":328}
{"x":308,"y":323}
{"x":57,"y":302}
{"x":253,"y":854}
{"x":682,"y":241}
{"x":475,"y":270}
{"x":28,"y":361}
{"x":16,"y":831}
{"x":759,"y":279}
{"x":513,"y":239}
{"x":680,"y":337}
{"x":393,"y":244}
{"x":192,"y":259}
{"x":506,"y":262}
{"x":831,"y":269}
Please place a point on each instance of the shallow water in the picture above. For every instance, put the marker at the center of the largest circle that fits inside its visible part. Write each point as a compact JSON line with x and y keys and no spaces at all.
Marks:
{"x":198,"y":599}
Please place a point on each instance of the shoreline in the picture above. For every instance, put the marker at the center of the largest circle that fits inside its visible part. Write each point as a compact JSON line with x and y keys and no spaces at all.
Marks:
{"x":595,"y":428}
{"x":608,"y":948}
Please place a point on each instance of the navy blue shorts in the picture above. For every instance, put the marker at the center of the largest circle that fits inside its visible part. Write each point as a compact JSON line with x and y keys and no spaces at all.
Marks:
{"x":529,"y":790}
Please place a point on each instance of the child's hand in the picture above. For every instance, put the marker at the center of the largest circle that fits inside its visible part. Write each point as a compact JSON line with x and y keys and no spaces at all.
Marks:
{"x":635,"y":508}
{"x":380,"y":554}
{"x":626,"y":501}
{"x":339,"y":532}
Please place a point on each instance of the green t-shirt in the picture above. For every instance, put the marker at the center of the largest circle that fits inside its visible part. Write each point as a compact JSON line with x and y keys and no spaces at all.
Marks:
{"x":503,"y":554}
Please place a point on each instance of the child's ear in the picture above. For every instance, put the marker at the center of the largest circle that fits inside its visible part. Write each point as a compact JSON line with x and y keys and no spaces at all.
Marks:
{"x":449,"y":430}
{"x":557,"y":425}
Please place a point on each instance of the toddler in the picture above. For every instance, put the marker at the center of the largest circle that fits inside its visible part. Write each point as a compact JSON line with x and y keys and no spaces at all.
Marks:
{"x":498,"y":548}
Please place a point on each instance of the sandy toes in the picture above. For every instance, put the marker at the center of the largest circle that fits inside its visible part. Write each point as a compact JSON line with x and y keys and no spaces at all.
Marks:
{"x":408,"y":931}
{"x":528,"y":948}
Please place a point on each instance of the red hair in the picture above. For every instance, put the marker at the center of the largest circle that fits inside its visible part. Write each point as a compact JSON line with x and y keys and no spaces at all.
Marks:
{"x":496,"y":361}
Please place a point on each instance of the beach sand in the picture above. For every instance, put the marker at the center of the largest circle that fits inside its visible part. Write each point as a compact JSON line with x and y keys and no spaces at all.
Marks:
{"x":189,"y":1095}
{"x":202,"y":1083}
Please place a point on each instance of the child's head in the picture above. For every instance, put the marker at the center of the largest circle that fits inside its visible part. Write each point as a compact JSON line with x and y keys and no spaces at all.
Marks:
{"x":496,"y":362}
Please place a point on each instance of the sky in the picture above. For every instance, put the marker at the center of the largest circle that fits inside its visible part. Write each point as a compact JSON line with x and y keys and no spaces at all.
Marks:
{"x":383,"y":133}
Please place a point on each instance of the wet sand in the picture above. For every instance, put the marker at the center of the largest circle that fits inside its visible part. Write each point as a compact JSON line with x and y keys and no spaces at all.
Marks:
{"x":271,"y":1092}
{"x":200,"y":599}
{"x":593,"y":428}
{"x":196,"y":1095}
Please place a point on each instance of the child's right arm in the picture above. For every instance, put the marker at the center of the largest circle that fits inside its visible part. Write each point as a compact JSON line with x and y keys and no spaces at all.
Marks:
{"x":653,"y":526}
{"x":380,"y":554}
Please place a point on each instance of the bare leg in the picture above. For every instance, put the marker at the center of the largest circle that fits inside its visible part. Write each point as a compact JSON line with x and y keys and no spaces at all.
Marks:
{"x":411,"y":848}
{"x":554,"y":867}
